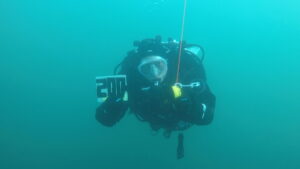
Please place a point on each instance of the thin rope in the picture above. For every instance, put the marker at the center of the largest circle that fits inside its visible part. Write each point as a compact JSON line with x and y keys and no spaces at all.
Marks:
{"x":180,"y":43}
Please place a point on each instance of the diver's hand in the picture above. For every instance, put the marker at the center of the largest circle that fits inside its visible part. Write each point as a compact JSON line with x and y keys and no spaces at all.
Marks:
{"x":111,"y":111}
{"x":116,"y":99}
{"x":115,"y":105}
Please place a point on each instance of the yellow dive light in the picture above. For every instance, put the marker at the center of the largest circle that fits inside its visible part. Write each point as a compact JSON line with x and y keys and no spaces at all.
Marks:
{"x":176,"y":91}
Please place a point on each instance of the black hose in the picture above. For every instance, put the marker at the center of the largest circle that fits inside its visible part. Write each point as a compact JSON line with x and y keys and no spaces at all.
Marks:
{"x":117,"y":68}
{"x":201,"y":48}
{"x":180,"y":148}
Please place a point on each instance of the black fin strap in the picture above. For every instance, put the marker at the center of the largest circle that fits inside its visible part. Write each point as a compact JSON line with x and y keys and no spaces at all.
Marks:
{"x":180,"y":148}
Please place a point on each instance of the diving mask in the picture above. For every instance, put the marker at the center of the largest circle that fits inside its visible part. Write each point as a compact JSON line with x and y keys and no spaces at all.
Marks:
{"x":153,"y":68}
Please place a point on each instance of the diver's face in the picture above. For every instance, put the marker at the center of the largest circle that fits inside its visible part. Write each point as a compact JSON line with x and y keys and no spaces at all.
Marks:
{"x":153,"y":68}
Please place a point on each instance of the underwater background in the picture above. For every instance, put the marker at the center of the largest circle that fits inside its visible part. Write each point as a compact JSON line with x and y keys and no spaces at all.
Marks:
{"x":52,"y":50}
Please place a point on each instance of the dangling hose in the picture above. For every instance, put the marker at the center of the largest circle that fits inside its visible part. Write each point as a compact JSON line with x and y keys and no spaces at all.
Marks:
{"x":180,"y":148}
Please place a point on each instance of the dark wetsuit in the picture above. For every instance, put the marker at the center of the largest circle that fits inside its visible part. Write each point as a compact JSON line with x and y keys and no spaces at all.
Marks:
{"x":157,"y":104}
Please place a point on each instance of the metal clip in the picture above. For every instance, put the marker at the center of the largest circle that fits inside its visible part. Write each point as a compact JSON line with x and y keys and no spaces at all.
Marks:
{"x":191,"y":85}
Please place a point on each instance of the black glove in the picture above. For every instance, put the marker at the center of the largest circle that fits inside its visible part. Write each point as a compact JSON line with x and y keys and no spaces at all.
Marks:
{"x":111,"y":111}
{"x":114,"y":105}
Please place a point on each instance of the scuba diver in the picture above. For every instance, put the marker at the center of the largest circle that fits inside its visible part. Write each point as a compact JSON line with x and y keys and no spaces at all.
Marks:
{"x":167,"y":91}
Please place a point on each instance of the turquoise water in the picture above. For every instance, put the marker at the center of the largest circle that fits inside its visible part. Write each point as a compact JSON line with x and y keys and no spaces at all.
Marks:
{"x":52,"y":50}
